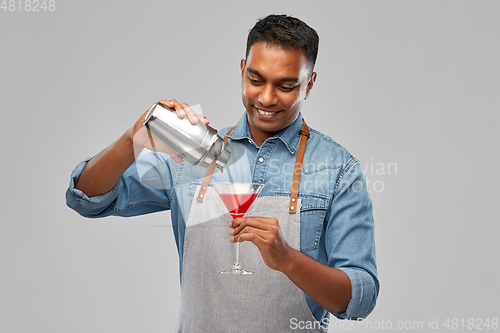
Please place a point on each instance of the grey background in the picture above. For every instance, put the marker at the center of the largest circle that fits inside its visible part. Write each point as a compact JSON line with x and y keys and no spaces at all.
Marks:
{"x":411,"y":84}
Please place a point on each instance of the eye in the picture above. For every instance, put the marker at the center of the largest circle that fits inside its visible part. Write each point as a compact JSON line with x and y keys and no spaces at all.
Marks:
{"x":254,"y":81}
{"x":285,"y":88}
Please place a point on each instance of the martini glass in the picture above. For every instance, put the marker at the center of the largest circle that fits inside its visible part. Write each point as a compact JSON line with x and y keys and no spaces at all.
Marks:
{"x":237,"y":197}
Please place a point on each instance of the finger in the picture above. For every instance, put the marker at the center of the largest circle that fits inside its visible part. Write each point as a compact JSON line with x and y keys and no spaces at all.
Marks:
{"x":183,"y":110}
{"x":179,"y":108}
{"x":256,"y":236}
{"x":262,"y":233}
{"x":190,"y":114}
{"x":198,"y":113}
{"x":168,"y":104}
{"x":204,"y":120}
{"x":174,"y":105}
{"x":263,"y":223}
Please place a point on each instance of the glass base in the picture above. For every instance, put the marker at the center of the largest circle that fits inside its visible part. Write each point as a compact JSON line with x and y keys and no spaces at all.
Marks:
{"x":236,"y":270}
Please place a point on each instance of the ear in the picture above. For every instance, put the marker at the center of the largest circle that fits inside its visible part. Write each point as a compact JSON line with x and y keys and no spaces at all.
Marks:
{"x":242,"y":67}
{"x":310,"y":83}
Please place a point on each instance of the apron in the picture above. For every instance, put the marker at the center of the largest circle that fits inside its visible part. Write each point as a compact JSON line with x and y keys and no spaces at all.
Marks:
{"x":262,"y":302}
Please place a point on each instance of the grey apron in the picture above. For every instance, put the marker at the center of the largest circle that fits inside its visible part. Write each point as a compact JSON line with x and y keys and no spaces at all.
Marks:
{"x":262,"y":302}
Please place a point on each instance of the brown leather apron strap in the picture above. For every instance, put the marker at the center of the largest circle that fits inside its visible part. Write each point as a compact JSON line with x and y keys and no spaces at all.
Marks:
{"x":304,"y":132}
{"x":208,"y":175}
{"x":304,"y":135}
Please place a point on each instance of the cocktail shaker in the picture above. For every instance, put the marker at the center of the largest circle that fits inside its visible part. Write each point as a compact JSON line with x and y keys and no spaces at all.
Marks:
{"x":198,"y":144}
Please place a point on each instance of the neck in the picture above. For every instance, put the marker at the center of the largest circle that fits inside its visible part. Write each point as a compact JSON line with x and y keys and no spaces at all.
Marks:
{"x":260,"y":136}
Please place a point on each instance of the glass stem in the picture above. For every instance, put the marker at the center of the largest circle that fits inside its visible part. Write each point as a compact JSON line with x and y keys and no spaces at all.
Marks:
{"x":237,"y":262}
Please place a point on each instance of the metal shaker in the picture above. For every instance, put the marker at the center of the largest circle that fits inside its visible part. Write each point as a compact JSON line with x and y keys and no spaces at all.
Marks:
{"x":198,"y":144}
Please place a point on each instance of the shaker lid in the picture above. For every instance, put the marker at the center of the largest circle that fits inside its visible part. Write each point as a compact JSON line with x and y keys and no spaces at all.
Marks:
{"x":222,"y":158}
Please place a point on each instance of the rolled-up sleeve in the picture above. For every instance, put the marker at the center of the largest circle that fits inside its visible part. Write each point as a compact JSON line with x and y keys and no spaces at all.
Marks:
{"x":133,"y":195}
{"x":350,"y":240}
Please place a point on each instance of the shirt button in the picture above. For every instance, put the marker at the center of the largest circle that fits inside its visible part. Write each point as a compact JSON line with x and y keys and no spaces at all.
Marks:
{"x":250,"y":141}
{"x":261,"y":159}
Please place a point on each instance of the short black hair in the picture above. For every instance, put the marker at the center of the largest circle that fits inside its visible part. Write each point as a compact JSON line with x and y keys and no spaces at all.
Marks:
{"x":288,"y":32}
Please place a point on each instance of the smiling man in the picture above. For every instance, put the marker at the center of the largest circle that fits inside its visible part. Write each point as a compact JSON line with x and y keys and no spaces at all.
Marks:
{"x":275,"y":81}
{"x":309,"y":236}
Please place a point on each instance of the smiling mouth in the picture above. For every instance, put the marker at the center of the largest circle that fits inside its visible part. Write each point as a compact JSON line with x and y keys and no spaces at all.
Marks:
{"x":266,"y":113}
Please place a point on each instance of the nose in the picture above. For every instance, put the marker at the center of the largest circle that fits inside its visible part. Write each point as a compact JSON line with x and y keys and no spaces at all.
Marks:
{"x":267,"y":96}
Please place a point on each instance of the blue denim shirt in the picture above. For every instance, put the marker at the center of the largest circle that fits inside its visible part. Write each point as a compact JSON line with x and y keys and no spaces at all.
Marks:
{"x":337,"y":227}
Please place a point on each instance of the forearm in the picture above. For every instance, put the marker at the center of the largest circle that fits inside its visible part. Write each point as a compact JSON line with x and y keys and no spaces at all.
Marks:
{"x":329,"y":287}
{"x":103,"y":171}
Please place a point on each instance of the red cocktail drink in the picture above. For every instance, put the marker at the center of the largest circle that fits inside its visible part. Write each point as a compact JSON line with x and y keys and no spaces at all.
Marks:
{"x":237,"y":197}
{"x":237,"y":204}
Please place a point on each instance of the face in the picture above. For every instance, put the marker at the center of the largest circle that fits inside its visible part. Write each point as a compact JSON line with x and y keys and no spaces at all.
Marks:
{"x":274,"y":84}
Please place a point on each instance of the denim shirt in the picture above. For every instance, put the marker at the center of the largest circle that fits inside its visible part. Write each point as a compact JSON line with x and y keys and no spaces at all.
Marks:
{"x":337,"y":227}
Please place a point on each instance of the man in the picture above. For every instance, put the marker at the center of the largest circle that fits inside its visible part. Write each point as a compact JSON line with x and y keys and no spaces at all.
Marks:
{"x":309,"y":236}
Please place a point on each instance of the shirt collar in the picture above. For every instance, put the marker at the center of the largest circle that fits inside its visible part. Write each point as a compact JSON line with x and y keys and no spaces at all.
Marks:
{"x":289,"y":136}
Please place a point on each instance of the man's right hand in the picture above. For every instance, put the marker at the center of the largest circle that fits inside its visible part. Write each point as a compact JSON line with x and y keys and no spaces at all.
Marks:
{"x":104,"y":170}
{"x":143,"y":138}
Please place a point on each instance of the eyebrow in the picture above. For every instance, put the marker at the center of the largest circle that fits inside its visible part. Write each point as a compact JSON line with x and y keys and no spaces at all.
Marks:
{"x":284,"y":79}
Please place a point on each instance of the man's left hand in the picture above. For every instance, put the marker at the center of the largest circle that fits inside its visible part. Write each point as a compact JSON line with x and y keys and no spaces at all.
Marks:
{"x":265,"y":233}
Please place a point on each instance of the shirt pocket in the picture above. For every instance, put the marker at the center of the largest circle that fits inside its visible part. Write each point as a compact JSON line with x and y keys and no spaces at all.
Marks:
{"x":312,"y":216}
{"x":192,"y":190}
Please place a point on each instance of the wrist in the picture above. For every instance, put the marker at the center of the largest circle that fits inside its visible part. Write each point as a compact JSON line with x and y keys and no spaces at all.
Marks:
{"x":125,"y":145}
{"x":291,"y":261}
{"x":129,"y":135}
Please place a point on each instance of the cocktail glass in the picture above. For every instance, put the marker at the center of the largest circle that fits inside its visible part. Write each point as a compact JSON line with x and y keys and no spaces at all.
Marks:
{"x":237,"y":197}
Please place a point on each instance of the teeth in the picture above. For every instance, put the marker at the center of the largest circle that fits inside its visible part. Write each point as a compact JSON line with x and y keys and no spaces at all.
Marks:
{"x":266,"y":113}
